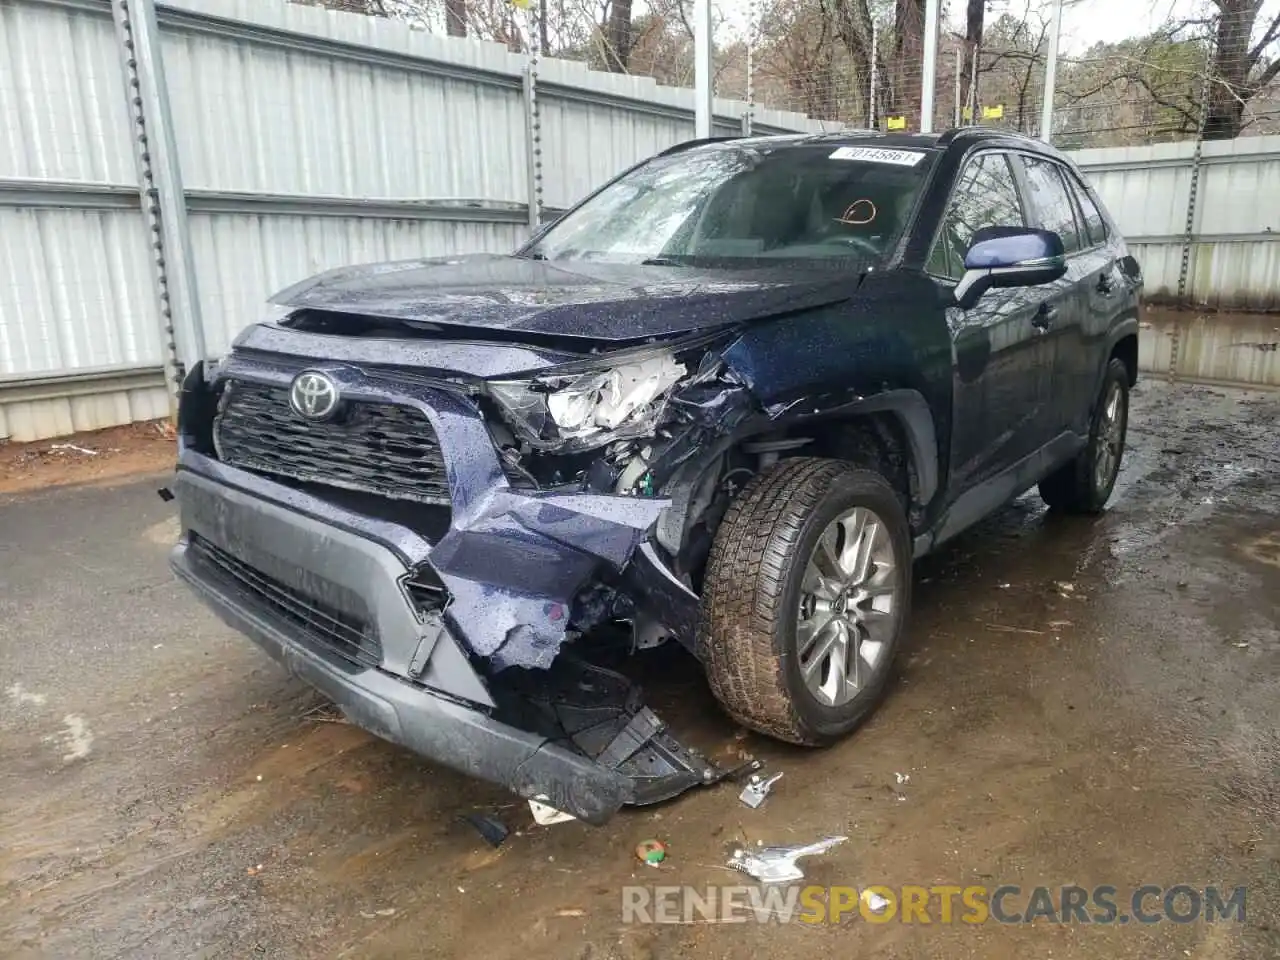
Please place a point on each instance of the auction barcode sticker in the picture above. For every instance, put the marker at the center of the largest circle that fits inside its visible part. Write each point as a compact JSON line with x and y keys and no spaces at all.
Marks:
{"x":902,"y":158}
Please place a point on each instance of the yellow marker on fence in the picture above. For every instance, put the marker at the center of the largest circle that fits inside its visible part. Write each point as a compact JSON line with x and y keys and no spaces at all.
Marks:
{"x":896,"y":123}
{"x":993,"y":113}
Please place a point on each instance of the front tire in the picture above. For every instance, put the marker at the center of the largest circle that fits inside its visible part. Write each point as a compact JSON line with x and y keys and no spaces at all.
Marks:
{"x":1084,"y":485}
{"x":805,"y":600}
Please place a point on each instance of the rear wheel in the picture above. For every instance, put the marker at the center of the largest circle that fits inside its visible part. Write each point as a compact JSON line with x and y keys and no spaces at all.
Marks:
{"x":1084,"y":485}
{"x":806,"y":598}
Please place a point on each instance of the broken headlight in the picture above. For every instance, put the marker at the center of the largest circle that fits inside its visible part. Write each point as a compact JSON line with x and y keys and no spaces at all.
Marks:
{"x":570,"y":412}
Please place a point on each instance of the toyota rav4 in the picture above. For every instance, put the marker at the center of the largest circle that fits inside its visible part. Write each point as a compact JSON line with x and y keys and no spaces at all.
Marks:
{"x":723,"y":402}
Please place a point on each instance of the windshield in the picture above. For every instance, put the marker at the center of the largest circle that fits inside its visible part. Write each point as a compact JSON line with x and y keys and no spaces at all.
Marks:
{"x":735,"y":205}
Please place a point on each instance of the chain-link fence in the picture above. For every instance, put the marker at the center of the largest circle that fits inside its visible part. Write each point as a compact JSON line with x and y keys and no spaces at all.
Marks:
{"x":1128,"y":71}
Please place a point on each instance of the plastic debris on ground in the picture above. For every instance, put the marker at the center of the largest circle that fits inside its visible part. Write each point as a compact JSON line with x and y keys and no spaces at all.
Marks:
{"x":651,"y":852}
{"x":493,"y":830}
{"x":757,"y":789}
{"x":544,"y":815}
{"x":874,"y":902}
{"x":778,"y":864}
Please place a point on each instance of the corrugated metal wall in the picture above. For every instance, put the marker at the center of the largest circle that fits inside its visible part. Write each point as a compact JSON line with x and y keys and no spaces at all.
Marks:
{"x":1235,"y":254}
{"x":76,"y":291}
{"x":241,"y":260}
{"x":309,"y":139}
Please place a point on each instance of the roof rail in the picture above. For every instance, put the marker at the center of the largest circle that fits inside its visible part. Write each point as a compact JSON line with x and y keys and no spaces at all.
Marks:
{"x":979,"y":133}
{"x":847,"y":132}
{"x":690,"y":144}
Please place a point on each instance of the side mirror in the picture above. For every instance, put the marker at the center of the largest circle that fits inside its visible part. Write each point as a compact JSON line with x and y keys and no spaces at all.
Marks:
{"x":1009,"y":257}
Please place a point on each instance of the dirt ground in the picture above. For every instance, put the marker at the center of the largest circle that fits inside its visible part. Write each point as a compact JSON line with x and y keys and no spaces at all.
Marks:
{"x":1079,"y":702}
{"x":94,"y":457}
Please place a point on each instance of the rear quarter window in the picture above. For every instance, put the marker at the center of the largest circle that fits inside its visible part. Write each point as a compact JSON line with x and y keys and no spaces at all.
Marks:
{"x":1095,"y":225}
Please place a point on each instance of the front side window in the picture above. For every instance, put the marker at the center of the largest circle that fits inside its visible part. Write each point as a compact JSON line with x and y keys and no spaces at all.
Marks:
{"x":731,"y":205}
{"x":985,"y":195}
{"x":1051,"y":201}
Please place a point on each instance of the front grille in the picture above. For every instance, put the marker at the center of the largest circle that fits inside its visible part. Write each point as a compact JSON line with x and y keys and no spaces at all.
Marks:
{"x":337,"y":632}
{"x":374,"y":448}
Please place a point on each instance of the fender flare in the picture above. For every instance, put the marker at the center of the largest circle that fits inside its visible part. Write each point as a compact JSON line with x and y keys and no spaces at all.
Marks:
{"x":908,"y":406}
{"x":913,"y":414}
{"x":1125,"y":328}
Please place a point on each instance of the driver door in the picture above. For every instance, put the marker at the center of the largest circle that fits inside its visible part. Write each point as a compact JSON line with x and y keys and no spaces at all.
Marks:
{"x":1002,"y":362}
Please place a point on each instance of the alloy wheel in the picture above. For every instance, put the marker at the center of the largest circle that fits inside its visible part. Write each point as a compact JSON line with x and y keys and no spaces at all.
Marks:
{"x":848,"y":607}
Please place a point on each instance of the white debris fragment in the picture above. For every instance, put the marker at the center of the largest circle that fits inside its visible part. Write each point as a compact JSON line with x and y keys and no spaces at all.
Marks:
{"x":78,"y":737}
{"x":20,"y":695}
{"x":73,"y":448}
{"x":902,"y":777}
{"x":875,"y":903}
{"x":778,"y":864}
{"x":544,"y":814}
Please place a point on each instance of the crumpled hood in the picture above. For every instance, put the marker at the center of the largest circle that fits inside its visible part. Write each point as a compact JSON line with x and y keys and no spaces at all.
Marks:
{"x":586,"y":299}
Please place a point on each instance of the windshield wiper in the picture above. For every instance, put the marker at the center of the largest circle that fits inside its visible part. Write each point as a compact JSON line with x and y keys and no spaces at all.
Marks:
{"x":533,"y":255}
{"x":660,"y":262}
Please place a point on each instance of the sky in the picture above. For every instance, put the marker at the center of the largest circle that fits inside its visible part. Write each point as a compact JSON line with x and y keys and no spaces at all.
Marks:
{"x":1088,"y":21}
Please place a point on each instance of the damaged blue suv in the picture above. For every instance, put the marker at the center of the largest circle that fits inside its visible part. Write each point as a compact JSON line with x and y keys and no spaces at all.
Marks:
{"x":722,"y":403}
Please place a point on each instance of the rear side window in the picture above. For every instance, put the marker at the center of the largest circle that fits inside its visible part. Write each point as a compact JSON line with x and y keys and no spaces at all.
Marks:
{"x":1095,"y":227}
{"x":985,"y":195}
{"x":1052,"y":203}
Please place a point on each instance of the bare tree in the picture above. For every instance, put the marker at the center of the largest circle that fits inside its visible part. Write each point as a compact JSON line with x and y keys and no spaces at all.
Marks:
{"x":975,"y":15}
{"x":908,"y":57}
{"x":618,"y":39}
{"x":1240,"y":67}
{"x":455,"y":17}
{"x":852,"y":20}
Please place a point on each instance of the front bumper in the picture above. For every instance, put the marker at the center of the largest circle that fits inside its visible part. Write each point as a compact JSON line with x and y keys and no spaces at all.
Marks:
{"x":514,"y":564}
{"x":445,"y":713}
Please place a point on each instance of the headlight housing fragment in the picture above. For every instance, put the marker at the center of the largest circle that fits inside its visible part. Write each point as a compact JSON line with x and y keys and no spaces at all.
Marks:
{"x":572,"y":412}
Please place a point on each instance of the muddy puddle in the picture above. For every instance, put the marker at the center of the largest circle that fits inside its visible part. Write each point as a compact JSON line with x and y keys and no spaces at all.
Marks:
{"x":1237,"y":349}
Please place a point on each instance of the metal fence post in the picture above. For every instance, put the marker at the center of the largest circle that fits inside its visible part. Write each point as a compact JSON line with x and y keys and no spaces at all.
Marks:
{"x":702,"y":79}
{"x":929,"y":73}
{"x":533,"y":125}
{"x":959,"y":74}
{"x":872,"y":119}
{"x":1193,"y":193}
{"x":1051,"y":75}
{"x":748,"y":117}
{"x":160,"y":187}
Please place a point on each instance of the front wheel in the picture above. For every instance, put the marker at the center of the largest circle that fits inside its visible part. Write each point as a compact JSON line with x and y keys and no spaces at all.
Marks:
{"x":805,"y":599}
{"x":1084,"y":485}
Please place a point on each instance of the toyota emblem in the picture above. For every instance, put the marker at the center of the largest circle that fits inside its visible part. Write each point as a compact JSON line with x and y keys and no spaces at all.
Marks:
{"x":313,"y":395}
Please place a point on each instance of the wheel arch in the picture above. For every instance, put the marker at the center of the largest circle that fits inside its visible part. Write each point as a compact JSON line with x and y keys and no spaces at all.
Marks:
{"x":904,"y":411}
{"x":1125,"y":349}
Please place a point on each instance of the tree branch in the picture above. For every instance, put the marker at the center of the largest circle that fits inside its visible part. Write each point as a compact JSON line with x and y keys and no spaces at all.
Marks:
{"x":1270,"y":34}
{"x":1191,"y":119}
{"x":1267,"y":76}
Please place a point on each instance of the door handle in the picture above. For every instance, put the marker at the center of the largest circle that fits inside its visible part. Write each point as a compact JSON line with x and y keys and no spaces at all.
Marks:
{"x":1044,"y":317}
